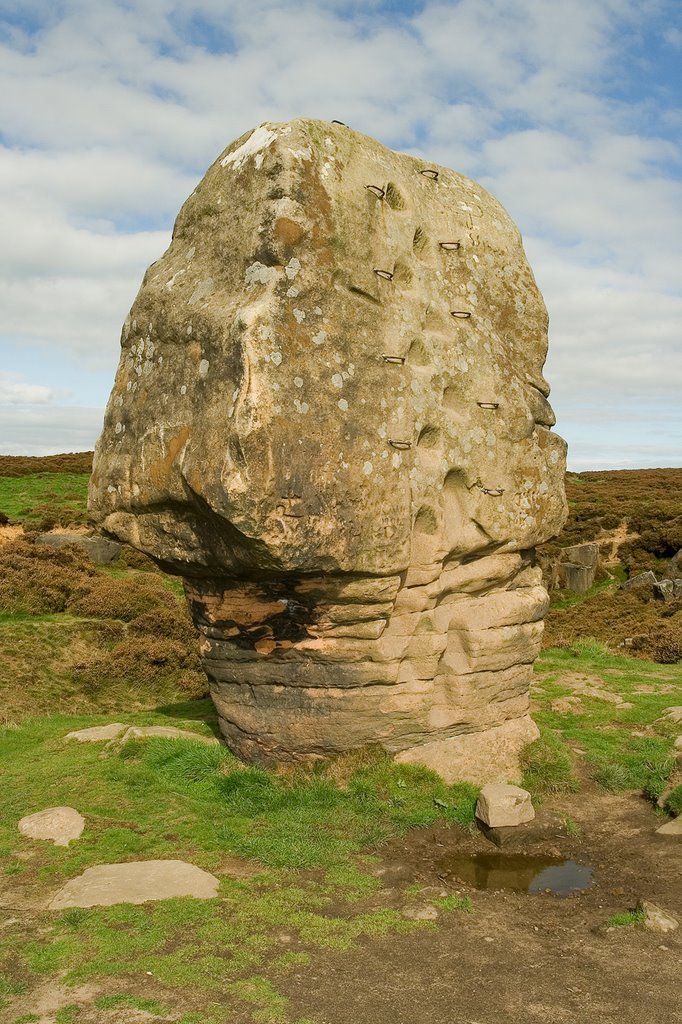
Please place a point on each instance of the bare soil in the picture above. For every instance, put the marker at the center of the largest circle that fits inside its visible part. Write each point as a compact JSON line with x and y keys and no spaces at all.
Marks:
{"x":518,"y":958}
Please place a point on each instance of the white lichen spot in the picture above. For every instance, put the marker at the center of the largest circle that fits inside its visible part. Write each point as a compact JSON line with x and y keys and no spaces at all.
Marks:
{"x":258,"y":273}
{"x":301,"y":407}
{"x":203,"y":367}
{"x":298,"y":381}
{"x":299,"y":315}
{"x":367,"y":468}
{"x":258,"y":140}
{"x":265,"y":333}
{"x":342,"y":404}
{"x":302,"y":154}
{"x":397,"y":460}
{"x":118,"y":428}
{"x":337,"y":380}
{"x":189,"y":328}
{"x":292,"y":268}
{"x":319,"y":338}
{"x":318,"y":311}
{"x":292,"y":292}
{"x":554,"y":458}
{"x":276,"y":358}
{"x":183,"y":389}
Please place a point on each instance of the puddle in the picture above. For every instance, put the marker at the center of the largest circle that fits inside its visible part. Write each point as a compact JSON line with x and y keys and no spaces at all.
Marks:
{"x":517,"y":873}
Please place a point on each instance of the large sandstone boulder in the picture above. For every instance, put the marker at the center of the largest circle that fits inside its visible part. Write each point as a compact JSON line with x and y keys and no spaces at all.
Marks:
{"x":330,"y":418}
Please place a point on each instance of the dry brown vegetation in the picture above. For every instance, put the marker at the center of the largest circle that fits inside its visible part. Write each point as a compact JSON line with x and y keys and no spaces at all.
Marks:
{"x":90,"y":639}
{"x":25,"y":465}
{"x":647,"y":501}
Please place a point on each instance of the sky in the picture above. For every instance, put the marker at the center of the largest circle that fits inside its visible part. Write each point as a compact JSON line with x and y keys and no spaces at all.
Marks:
{"x":569,"y":113}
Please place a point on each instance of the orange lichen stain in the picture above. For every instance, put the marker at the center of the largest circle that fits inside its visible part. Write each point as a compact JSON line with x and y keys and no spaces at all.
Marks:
{"x":160,"y":470}
{"x":195,"y":351}
{"x":288,"y":231}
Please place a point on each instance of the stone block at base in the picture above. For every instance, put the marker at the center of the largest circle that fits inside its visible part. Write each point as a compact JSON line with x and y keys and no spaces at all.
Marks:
{"x":501,"y":805}
{"x":477,"y":757}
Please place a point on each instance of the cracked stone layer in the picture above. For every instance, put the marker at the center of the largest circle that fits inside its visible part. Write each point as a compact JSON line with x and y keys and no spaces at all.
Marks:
{"x":330,"y":418}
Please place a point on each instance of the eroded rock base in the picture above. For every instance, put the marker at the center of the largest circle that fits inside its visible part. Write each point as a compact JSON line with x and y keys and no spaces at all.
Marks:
{"x":435,"y":666}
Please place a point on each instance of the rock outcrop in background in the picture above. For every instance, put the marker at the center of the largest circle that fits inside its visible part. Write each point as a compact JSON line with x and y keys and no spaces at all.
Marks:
{"x":330,"y":418}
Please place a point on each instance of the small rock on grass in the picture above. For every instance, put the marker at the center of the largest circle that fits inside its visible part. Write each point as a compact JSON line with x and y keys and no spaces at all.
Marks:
{"x":671,"y":828}
{"x":135,"y":882}
{"x":425,"y":913}
{"x":501,"y":804}
{"x":58,"y":824}
{"x":169,"y":732}
{"x":655,"y":919}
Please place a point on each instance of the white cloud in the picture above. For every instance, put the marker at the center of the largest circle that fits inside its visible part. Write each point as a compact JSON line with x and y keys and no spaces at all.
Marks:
{"x":111,"y":113}
{"x":14,"y":390}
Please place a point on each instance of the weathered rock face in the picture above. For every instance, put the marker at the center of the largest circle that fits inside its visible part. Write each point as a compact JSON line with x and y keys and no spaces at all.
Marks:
{"x":330,"y":419}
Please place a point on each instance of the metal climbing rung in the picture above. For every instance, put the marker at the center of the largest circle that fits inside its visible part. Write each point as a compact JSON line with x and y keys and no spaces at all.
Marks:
{"x":400,"y":445}
{"x":387,"y":275}
{"x":489,"y":405}
{"x":450,"y":245}
{"x":376,"y":190}
{"x":494,"y":492}
{"x":429,"y":172}
{"x":460,"y":314}
{"x":393,"y":359}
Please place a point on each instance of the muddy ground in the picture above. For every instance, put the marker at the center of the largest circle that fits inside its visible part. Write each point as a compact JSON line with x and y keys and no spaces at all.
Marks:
{"x":518,"y":958}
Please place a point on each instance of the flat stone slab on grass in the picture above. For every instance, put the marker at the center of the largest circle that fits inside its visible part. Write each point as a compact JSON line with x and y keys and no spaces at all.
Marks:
{"x":502,"y":804}
{"x":169,"y":732}
{"x":97,"y":733}
{"x":58,"y":824}
{"x":136,"y":882}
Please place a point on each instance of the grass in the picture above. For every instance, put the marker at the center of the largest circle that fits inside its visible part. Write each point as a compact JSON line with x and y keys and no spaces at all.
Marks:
{"x":618,"y":748}
{"x":626,"y":919}
{"x":45,"y":499}
{"x":302,"y":831}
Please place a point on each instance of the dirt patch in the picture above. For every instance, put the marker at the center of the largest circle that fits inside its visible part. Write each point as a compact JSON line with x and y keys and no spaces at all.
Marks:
{"x":10,"y":533}
{"x":518,"y":958}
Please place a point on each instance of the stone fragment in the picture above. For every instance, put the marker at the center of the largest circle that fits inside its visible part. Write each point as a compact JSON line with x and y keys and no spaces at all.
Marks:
{"x":582,"y":554}
{"x":642,"y":579}
{"x":101,"y":550}
{"x":577,"y":578}
{"x":501,"y":804}
{"x":97,"y":733}
{"x":425,"y":913}
{"x":327,"y":443}
{"x":664,"y":590}
{"x":671,"y":828}
{"x":655,"y":919}
{"x":59,"y":824}
{"x":135,"y":882}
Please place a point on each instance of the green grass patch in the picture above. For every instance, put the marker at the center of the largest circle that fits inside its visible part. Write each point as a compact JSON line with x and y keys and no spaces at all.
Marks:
{"x":626,"y":919}
{"x":620,"y":748}
{"x":45,"y":499}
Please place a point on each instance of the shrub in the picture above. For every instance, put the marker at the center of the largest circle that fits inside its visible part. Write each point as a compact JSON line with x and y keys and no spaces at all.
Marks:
{"x":38,"y":580}
{"x":114,"y":597}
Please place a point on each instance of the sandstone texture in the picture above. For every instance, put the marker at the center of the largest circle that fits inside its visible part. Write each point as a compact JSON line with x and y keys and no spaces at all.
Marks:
{"x":59,"y":824}
{"x":97,"y":733}
{"x":135,"y":882}
{"x":330,"y":418}
{"x":501,"y":805}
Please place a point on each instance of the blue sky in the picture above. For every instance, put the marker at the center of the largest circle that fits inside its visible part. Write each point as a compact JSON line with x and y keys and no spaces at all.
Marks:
{"x":570,"y":114}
